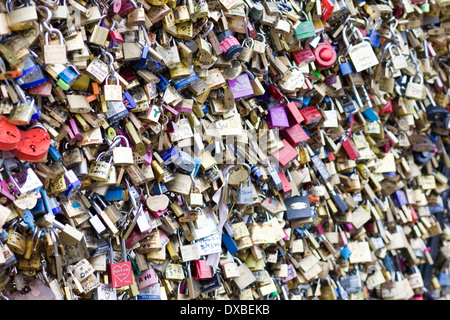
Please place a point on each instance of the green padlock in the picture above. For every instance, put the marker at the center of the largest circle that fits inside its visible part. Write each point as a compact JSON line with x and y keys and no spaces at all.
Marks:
{"x":425,"y":7}
{"x":305,"y":29}
{"x":64,"y":85}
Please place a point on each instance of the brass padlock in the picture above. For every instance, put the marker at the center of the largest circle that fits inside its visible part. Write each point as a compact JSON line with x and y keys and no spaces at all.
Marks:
{"x":99,"y":170}
{"x":55,"y":54}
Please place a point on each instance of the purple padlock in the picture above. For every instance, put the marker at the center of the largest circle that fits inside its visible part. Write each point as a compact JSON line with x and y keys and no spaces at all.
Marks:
{"x":146,"y":279}
{"x":241,"y":86}
{"x":400,"y":198}
{"x":277,"y":118}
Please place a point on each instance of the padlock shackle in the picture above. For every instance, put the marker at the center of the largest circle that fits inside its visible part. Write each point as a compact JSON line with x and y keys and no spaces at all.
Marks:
{"x":47,"y":13}
{"x":54,"y":30}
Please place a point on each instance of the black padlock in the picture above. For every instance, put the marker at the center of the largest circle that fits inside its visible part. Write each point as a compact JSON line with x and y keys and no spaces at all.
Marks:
{"x":297,"y":208}
{"x":208,"y":285}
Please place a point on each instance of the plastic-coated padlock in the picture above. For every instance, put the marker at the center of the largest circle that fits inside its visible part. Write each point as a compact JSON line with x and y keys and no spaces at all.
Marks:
{"x":33,"y":145}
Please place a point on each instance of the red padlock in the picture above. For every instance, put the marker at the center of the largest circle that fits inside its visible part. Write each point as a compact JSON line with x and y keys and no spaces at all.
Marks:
{"x":277,"y":95}
{"x":33,"y":145}
{"x":293,"y":113}
{"x":387,"y":108}
{"x":327,"y":9}
{"x":121,"y":273}
{"x":325,"y":55}
{"x":350,"y":148}
{"x":311,"y":115}
{"x":201,"y":270}
{"x":304,"y":56}
{"x":9,"y":135}
{"x":286,"y":186}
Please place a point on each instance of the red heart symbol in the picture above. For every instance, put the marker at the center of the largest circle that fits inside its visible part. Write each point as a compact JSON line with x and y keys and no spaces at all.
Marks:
{"x":121,"y":271}
{"x":33,"y":145}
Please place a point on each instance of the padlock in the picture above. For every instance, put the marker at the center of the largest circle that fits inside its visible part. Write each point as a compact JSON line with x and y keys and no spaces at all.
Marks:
{"x":120,"y":273}
{"x":33,"y":145}
{"x":121,"y":156}
{"x":55,"y":54}
{"x":99,"y":34}
{"x":112,"y":92}
{"x":414,"y":90}
{"x":304,"y":29}
{"x":397,"y":61}
{"x":22,"y":113}
{"x":19,"y":19}
{"x":245,"y":193}
{"x":99,"y":170}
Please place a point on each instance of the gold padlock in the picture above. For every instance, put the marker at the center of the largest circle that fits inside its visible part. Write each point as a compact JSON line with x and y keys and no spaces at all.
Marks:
{"x":99,"y":170}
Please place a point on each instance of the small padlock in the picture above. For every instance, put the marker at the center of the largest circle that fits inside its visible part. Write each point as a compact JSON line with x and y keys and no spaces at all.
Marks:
{"x":22,"y":113}
{"x":414,"y":90}
{"x":245,"y":193}
{"x":99,"y":170}
{"x":112,"y":92}
{"x":55,"y":54}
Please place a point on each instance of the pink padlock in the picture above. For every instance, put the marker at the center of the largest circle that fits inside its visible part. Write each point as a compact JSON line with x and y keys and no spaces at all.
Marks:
{"x":146,"y":279}
{"x":229,"y":45}
{"x":241,"y":86}
{"x":277,"y":118}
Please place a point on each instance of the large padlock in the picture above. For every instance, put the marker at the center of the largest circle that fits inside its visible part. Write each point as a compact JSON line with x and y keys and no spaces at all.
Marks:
{"x":33,"y":145}
{"x":9,"y":134}
{"x":21,"y":18}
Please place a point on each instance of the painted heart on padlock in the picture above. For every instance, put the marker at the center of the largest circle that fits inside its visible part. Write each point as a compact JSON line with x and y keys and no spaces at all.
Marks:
{"x":121,"y":272}
{"x":157,"y":203}
{"x":33,"y":145}
{"x":9,"y":135}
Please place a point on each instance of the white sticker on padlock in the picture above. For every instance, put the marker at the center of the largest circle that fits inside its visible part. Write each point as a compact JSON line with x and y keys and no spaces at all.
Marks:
{"x":209,"y":245}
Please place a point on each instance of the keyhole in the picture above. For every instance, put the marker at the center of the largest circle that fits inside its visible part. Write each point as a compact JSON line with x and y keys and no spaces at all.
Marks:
{"x":9,"y":133}
{"x":33,"y":147}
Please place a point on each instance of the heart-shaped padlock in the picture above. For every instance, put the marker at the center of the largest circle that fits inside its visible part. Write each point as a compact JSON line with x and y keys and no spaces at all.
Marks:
{"x":33,"y":145}
{"x":9,"y":134}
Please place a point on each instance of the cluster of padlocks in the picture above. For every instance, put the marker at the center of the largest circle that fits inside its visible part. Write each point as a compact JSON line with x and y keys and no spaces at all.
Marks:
{"x":224,"y":149}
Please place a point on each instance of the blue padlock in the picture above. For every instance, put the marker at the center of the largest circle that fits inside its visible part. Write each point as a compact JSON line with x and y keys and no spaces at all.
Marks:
{"x":181,"y":84}
{"x":370,"y":115}
{"x":160,"y":188}
{"x":306,"y":101}
{"x":54,"y":153}
{"x":32,"y":74}
{"x":345,"y":67}
{"x":346,"y":252}
{"x":28,"y":219}
{"x":444,"y":279}
{"x":37,"y":113}
{"x":69,"y":75}
{"x":114,"y":194}
{"x":142,"y":62}
{"x":162,"y":84}
{"x":38,"y":209}
{"x":374,"y":38}
{"x":169,"y":156}
{"x":54,"y":205}
{"x":197,"y":162}
{"x":128,"y":101}
{"x":229,"y":243}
